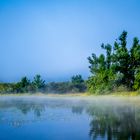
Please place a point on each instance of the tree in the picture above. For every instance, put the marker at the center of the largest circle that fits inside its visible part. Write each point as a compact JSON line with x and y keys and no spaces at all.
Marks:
{"x":135,"y":63}
{"x":122,"y":59}
{"x":77,"y":79}
{"x":22,"y":86}
{"x":38,"y":83}
{"x":118,"y":66}
{"x":102,"y":70}
{"x":136,"y":85}
{"x":127,"y":62}
{"x":78,"y":84}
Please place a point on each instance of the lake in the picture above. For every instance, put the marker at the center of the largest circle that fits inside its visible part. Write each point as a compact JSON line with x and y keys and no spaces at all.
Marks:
{"x":69,"y":118}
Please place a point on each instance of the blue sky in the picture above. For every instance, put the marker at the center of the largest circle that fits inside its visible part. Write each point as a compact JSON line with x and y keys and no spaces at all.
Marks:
{"x":54,"y":37}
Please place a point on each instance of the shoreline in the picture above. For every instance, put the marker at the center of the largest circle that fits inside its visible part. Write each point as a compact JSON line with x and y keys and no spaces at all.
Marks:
{"x":115,"y":94}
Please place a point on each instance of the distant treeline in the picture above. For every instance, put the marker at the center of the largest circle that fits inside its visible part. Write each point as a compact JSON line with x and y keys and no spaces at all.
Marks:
{"x":116,"y":69}
{"x":76,"y":85}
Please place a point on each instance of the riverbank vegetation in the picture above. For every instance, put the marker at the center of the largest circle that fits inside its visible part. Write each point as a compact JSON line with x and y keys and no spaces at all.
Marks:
{"x":116,"y":70}
{"x":38,"y":85}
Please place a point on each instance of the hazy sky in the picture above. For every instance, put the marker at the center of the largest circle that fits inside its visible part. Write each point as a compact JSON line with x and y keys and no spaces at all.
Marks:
{"x":54,"y":37}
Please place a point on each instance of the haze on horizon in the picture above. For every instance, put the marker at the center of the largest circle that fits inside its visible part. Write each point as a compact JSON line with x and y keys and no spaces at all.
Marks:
{"x":53,"y":38}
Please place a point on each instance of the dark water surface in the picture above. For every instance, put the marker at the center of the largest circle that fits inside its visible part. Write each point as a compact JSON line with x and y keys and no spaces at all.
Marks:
{"x":51,"y":118}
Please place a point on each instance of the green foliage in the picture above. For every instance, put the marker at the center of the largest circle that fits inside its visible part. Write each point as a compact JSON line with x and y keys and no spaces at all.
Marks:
{"x":22,"y":86}
{"x":102,"y":71}
{"x":122,"y":60}
{"x":135,"y":63}
{"x":5,"y":87}
{"x":78,"y":84}
{"x":59,"y":87}
{"x":136,"y":85}
{"x":77,"y":79}
{"x":118,"y":66}
{"x":38,"y":83}
{"x":25,"y":86}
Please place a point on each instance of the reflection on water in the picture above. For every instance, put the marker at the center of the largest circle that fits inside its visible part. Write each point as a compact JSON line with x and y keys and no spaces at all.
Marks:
{"x":117,"y":119}
{"x":116,"y":122}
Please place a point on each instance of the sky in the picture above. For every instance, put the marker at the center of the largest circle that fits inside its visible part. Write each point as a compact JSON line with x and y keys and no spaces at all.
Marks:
{"x":53,"y":38}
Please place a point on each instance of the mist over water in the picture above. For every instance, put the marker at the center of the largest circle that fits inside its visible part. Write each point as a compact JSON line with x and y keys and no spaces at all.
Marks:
{"x":69,"y":118}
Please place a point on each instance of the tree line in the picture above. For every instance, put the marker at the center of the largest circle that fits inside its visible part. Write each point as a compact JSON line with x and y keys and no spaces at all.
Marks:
{"x":75,"y":85}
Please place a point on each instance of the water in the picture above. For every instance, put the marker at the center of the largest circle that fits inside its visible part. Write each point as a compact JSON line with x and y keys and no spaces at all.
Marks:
{"x":74,"y":118}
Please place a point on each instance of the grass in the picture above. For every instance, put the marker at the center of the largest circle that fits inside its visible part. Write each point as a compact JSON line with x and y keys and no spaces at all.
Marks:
{"x":41,"y":94}
{"x":124,"y":93}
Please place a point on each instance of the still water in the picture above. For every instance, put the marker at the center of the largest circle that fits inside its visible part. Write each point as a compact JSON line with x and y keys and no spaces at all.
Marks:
{"x":73,"y":118}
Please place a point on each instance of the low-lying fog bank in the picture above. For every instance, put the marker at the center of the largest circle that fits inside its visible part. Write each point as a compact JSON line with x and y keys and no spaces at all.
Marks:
{"x":68,"y":98}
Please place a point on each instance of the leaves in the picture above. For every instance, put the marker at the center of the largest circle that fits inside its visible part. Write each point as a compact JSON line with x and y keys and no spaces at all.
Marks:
{"x":117,"y":65}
